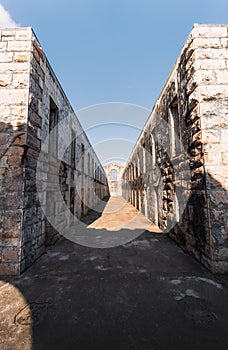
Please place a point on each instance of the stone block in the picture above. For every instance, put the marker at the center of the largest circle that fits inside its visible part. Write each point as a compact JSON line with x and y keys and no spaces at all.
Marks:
{"x":210,"y":120}
{"x":13,"y":184}
{"x":218,"y":31}
{"x":14,"y":201}
{"x":5,"y":119}
{"x":34,"y":119}
{"x":225,"y":158}
{"x":26,"y":235}
{"x":6,"y":79}
{"x":15,"y":151}
{"x":204,"y":53}
{"x":220,"y":267}
{"x":12,"y":97}
{"x":215,"y":176}
{"x":10,"y":254}
{"x":21,"y":46}
{"x":10,"y":242}
{"x":18,"y":112}
{"x":41,"y":83}
{"x":221,"y":53}
{"x":36,"y":54}
{"x":21,"y":140}
{"x":213,"y":158}
{"x":16,"y":67}
{"x":7,"y":38}
{"x":224,"y":43}
{"x":211,"y":64}
{"x":209,"y":107}
{"x":217,"y":195}
{"x":210,"y":53}
{"x":224,"y":134}
{"x":212,"y":91}
{"x":206,"y":77}
{"x":33,"y":142}
{"x":38,"y":48}
{"x":204,"y":43}
{"x":3,"y":161}
{"x":34,"y":154}
{"x":9,"y":269}
{"x":209,"y":31}
{"x":8,"y":32}
{"x":23,"y":34}
{"x":214,"y":147}
{"x":222,"y":76}
{"x":20,"y":81}
{"x":21,"y":57}
{"x":6,"y":57}
{"x":211,"y":136}
{"x":3,"y":46}
{"x":14,"y":161}
{"x":13,"y":233}
{"x":12,"y":219}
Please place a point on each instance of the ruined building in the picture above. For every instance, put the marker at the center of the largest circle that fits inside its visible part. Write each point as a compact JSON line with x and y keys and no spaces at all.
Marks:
{"x":114,"y":173}
{"x":32,"y":104}
{"x":177,"y":174}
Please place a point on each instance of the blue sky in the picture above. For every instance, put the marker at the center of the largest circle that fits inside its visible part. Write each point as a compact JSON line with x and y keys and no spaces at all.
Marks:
{"x":114,"y":50}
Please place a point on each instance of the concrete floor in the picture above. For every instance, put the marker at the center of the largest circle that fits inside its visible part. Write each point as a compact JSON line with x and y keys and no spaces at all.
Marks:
{"x":146,"y":294}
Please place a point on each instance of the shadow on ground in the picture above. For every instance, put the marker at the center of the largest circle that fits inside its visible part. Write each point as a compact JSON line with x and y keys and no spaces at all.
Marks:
{"x":145,"y":294}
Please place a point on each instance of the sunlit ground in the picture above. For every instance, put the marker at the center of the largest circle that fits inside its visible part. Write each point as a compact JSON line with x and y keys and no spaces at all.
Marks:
{"x":15,"y":319}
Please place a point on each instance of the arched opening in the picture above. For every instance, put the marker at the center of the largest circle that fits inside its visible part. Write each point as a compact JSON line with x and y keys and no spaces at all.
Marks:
{"x":113,"y":175}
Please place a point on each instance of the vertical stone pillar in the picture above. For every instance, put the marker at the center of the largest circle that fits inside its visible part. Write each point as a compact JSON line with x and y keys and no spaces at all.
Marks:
{"x":15,"y":46}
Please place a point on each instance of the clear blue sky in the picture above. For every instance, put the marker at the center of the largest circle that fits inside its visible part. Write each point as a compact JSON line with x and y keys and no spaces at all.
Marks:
{"x":114,"y":50}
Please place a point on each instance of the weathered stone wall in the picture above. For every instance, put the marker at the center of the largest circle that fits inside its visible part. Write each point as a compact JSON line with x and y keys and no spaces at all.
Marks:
{"x":32,"y":104}
{"x":15,"y":47}
{"x":211,"y":59}
{"x":178,"y":169}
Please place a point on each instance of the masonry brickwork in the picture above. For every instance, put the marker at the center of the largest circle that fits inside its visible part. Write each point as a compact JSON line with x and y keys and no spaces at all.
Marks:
{"x":32,"y":103}
{"x":178,"y":170}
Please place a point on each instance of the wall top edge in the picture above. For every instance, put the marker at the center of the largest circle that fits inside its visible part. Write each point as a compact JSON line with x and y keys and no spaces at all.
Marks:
{"x":194,"y":25}
{"x":209,"y":25}
{"x":15,"y":28}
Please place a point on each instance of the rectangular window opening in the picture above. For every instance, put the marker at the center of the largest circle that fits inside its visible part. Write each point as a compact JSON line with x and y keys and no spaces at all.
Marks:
{"x":174,"y":125}
{"x":53,"y":128}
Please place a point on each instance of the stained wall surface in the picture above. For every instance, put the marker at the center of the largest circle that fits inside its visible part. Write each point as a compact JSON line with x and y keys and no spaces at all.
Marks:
{"x":177,"y":172}
{"x":32,"y":106}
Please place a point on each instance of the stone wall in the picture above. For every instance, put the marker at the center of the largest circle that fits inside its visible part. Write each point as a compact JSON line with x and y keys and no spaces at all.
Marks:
{"x":211,"y":59}
{"x":177,"y":172}
{"x":32,"y":105}
{"x":15,"y":47}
